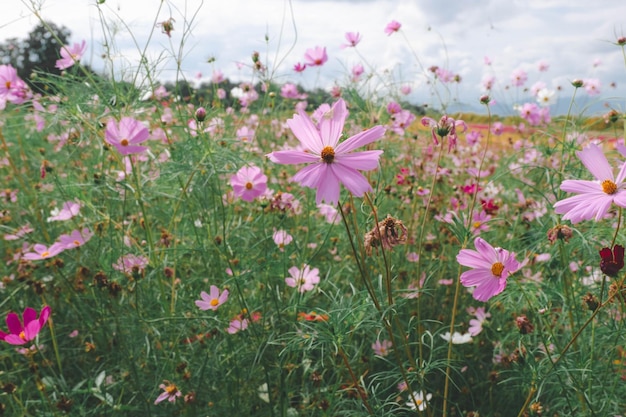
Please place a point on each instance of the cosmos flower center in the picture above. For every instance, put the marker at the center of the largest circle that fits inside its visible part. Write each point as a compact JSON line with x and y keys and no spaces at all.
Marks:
{"x":249,"y":185}
{"x":497,"y":268}
{"x":45,"y":254}
{"x":23,"y":336}
{"x":214,"y":302}
{"x":609,"y":187}
{"x":124,"y":142}
{"x":77,"y":243}
{"x":171,"y":389}
{"x":7,"y":84}
{"x":328,"y":154}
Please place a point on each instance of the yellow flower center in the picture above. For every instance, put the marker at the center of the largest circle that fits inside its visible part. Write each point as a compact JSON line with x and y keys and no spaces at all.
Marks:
{"x":609,"y":187}
{"x":22,"y":336}
{"x":249,"y":185}
{"x":7,"y":84}
{"x":328,"y":154}
{"x":45,"y":254}
{"x":124,"y":142}
{"x":171,"y":389}
{"x":77,"y":243}
{"x":214,"y":302}
{"x":476,"y":225}
{"x":497,"y":268}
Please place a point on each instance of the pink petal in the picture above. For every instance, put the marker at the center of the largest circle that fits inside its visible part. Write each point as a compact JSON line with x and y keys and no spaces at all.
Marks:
{"x":472,"y":259}
{"x":293,"y":157}
{"x":328,"y":188}
{"x":331,"y":127}
{"x":352,"y":179}
{"x":14,"y":324}
{"x":489,"y":289}
{"x":475,"y":277}
{"x":311,"y":175}
{"x":364,"y":161}
{"x":581,"y":187}
{"x":361,"y":139}
{"x":303,"y":128}
{"x":486,"y":250}
{"x":594,"y":159}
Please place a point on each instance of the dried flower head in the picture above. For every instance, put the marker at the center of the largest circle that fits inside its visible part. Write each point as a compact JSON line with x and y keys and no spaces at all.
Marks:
{"x":560,"y":232}
{"x":612,"y":261}
{"x":524,"y":325}
{"x":591,"y":301}
{"x":388,"y":233}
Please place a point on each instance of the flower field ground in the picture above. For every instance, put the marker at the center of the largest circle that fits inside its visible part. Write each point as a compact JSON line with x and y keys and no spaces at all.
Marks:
{"x":166,"y":255}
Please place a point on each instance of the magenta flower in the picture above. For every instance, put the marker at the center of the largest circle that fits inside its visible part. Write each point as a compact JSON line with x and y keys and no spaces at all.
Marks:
{"x":126,"y":135}
{"x":330,"y":163}
{"x":299,"y":67}
{"x":18,"y":334}
{"x":392,"y":27}
{"x":42,"y":252}
{"x":353,"y":39}
{"x":492,"y":266}
{"x":170,"y":393}
{"x":70,"y":55}
{"x":594,"y":198}
{"x":316,"y":56}
{"x":249,"y":183}
{"x":212,"y":300}
{"x":304,"y":279}
{"x":75,"y":239}
{"x":130,"y":263}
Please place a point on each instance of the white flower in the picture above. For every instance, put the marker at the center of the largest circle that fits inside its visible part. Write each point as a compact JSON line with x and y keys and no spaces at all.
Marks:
{"x":457,"y":338}
{"x":418,"y":398}
{"x":545,"y":97}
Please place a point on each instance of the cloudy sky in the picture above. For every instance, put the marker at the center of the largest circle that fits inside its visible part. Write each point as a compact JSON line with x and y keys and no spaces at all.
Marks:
{"x":573,"y":37}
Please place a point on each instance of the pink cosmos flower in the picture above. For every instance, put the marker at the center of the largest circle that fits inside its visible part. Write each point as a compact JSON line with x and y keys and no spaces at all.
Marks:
{"x":75,"y":239}
{"x":315,"y":57}
{"x":70,"y":55}
{"x":492,"y":266}
{"x":592,"y":86}
{"x":170,"y":393}
{"x":382,"y":348}
{"x":213,"y":300}
{"x":249,"y":183}
{"x":476,"y":325}
{"x":68,"y":210}
{"x":282,"y":239}
{"x":304,"y":279}
{"x":594,"y":198}
{"x":330,"y":163}
{"x":519,"y":77}
{"x":392,"y":27}
{"x":237,"y":324}
{"x":330,"y":213}
{"x":353,"y":39}
{"x":130,"y":263}
{"x":446,"y":127}
{"x":18,"y":334}
{"x":42,"y":252}
{"x":12,"y":88}
{"x":126,"y":135}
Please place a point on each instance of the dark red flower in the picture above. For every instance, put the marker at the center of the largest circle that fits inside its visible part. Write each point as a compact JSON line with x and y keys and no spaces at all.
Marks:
{"x":612,"y":260}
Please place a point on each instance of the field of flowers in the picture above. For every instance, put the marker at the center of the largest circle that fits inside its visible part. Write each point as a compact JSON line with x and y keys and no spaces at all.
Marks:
{"x":163,"y":256}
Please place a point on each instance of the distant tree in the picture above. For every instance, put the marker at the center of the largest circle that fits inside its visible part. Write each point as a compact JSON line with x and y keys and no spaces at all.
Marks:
{"x":38,"y":52}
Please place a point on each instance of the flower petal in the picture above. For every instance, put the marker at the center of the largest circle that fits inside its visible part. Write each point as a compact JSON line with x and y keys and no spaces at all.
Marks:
{"x":594,"y":159}
{"x":364,"y":161}
{"x":293,"y":157}
{"x":331,"y":124}
{"x":307,"y":133}
{"x":361,"y":139}
{"x":352,"y":179}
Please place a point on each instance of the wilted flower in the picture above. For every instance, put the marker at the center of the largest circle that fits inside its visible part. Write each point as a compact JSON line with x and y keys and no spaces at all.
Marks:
{"x":388,"y":233}
{"x":524,"y":325}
